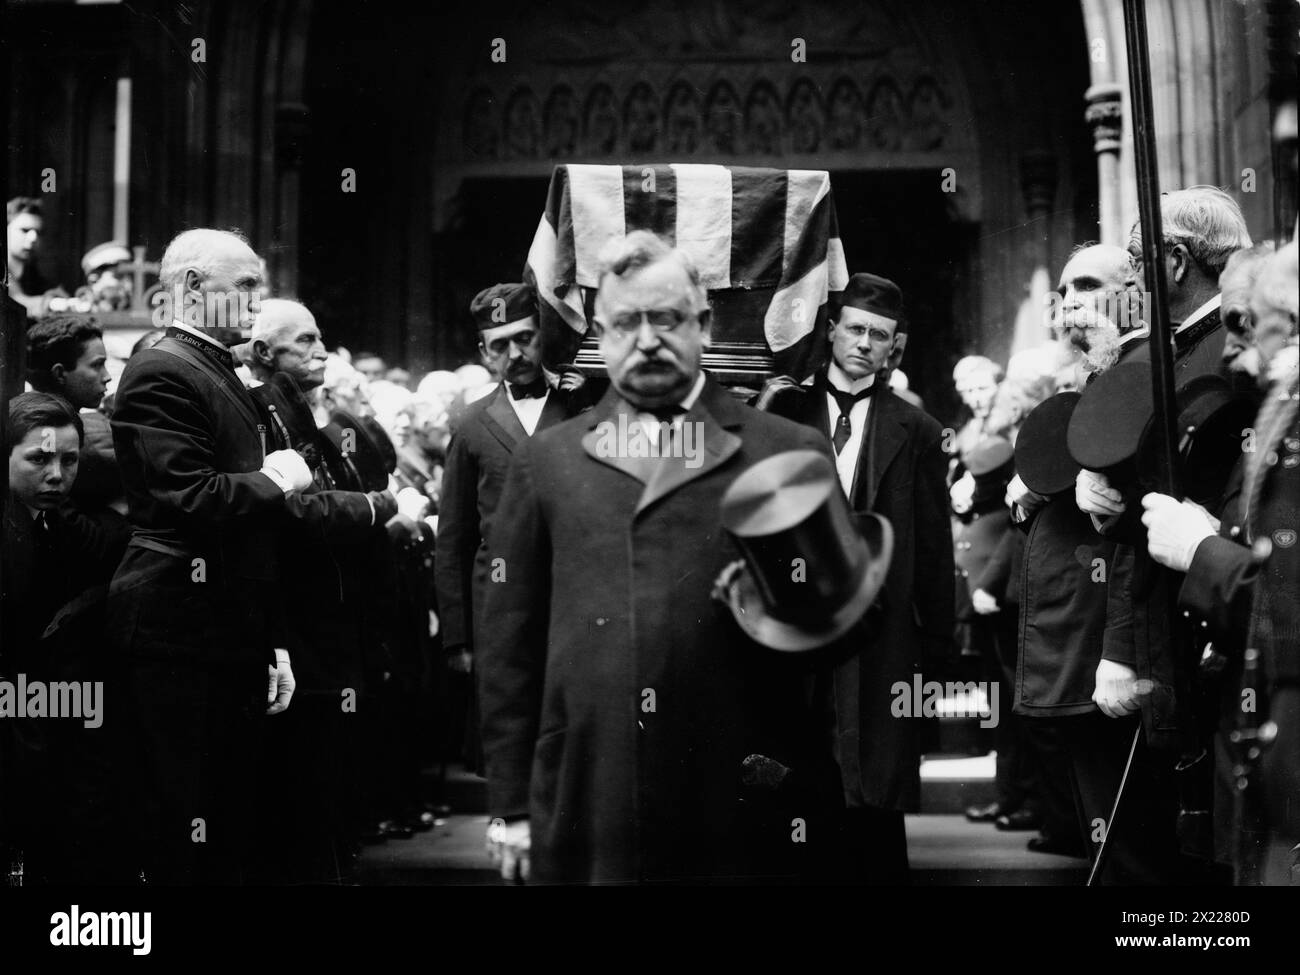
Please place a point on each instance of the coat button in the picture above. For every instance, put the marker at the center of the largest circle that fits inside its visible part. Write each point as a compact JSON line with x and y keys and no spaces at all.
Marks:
{"x":1236,"y":530}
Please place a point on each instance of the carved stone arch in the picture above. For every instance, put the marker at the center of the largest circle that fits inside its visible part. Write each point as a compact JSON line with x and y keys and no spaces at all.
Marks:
{"x":600,"y":121}
{"x":522,"y":125}
{"x":682,"y":124}
{"x":927,"y":109}
{"x":641,"y":119}
{"x":724,"y":119}
{"x":886,"y":115}
{"x":763,"y":120}
{"x":561,"y":124}
{"x":805,"y":117}
{"x":844,"y":115}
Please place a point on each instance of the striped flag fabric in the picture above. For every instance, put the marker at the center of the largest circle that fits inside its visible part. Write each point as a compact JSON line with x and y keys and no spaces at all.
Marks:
{"x":766,"y":242}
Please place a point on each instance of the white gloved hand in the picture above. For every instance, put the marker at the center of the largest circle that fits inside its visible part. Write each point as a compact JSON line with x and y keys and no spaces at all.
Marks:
{"x":411,"y":503}
{"x":983,"y":603}
{"x":1019,"y":494}
{"x":1094,"y":495}
{"x":962,"y":493}
{"x":509,"y":846}
{"x":1174,"y":530}
{"x":1118,"y":691}
{"x":288,"y":470}
{"x":280,"y":683}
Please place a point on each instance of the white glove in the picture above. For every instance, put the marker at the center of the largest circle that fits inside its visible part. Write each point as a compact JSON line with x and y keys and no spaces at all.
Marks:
{"x":1094,"y":495}
{"x":509,"y":845}
{"x":1118,"y":691}
{"x":280,"y":683}
{"x":1019,"y":494}
{"x":962,"y":493}
{"x":411,"y":503}
{"x":288,"y":470}
{"x":1174,"y":530}
{"x":983,"y":603}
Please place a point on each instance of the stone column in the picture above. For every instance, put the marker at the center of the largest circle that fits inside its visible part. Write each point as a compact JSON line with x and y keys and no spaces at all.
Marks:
{"x":1105,"y":116}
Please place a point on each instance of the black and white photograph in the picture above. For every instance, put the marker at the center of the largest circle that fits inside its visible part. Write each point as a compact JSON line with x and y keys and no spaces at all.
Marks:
{"x":846,"y":448}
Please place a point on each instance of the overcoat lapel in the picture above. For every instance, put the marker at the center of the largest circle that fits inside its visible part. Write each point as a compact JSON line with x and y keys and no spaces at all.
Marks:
{"x":662,"y":476}
{"x":884,"y":438}
{"x":502,"y":421}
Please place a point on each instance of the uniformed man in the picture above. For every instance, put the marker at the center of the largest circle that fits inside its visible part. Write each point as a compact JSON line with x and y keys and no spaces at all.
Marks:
{"x":193,"y":607}
{"x":340,"y":568}
{"x":1242,"y":586}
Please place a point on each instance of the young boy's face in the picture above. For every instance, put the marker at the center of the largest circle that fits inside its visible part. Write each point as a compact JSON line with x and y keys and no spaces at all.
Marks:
{"x":43,"y":466}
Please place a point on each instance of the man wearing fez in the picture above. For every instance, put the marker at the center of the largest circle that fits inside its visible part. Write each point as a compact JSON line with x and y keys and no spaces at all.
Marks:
{"x":193,"y":606}
{"x":891,"y":461}
{"x":526,"y":401}
{"x":1242,"y":585}
{"x":620,"y":701}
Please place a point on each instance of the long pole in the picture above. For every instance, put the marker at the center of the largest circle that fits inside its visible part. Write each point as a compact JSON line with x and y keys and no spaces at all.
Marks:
{"x":1165,"y":412}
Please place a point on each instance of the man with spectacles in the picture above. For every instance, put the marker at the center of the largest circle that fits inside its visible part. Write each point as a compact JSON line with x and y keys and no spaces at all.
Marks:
{"x":528,"y":399}
{"x":891,"y":462}
{"x":620,"y":700}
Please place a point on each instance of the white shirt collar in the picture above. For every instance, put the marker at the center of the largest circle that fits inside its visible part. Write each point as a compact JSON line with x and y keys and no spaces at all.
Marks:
{"x":1211,"y":305}
{"x":842,"y":382}
{"x":689,"y":401}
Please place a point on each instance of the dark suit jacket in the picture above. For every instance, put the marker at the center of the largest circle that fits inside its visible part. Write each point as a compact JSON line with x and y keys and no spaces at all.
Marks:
{"x":901,"y":475}
{"x":337,"y":575}
{"x":478,"y":458}
{"x":1139,"y":631}
{"x":190,"y":451}
{"x":619,"y":699}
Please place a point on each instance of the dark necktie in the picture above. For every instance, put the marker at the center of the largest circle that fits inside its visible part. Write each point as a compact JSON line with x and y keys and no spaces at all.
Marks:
{"x":845,"y":400}
{"x":534,"y":390}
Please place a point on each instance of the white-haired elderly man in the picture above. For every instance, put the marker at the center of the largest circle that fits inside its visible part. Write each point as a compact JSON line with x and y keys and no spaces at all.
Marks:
{"x":1203,"y":227}
{"x":618,"y":699}
{"x":335,"y":565}
{"x":193,"y":606}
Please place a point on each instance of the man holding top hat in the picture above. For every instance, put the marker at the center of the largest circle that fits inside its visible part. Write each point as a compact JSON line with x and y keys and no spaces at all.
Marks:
{"x":527,"y":400}
{"x":890,"y":461}
{"x":632,"y":730}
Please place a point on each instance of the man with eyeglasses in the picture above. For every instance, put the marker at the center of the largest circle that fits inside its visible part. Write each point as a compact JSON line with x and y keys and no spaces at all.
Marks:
{"x":890,"y":461}
{"x":621,"y":703}
{"x":528,"y":399}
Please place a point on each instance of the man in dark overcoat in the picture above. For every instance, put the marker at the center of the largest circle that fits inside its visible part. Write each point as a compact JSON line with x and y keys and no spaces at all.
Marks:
{"x":890,"y":460}
{"x":620,"y":701}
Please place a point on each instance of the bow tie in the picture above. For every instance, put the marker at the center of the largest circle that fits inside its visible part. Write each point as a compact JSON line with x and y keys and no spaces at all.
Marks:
{"x":534,"y":390}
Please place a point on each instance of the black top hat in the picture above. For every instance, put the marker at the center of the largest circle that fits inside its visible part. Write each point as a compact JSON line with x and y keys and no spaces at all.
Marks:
{"x":1211,"y":420}
{"x":1042,"y":458}
{"x":991,"y":464}
{"x":369,"y":448}
{"x":1107,"y":425}
{"x":810,"y":571}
